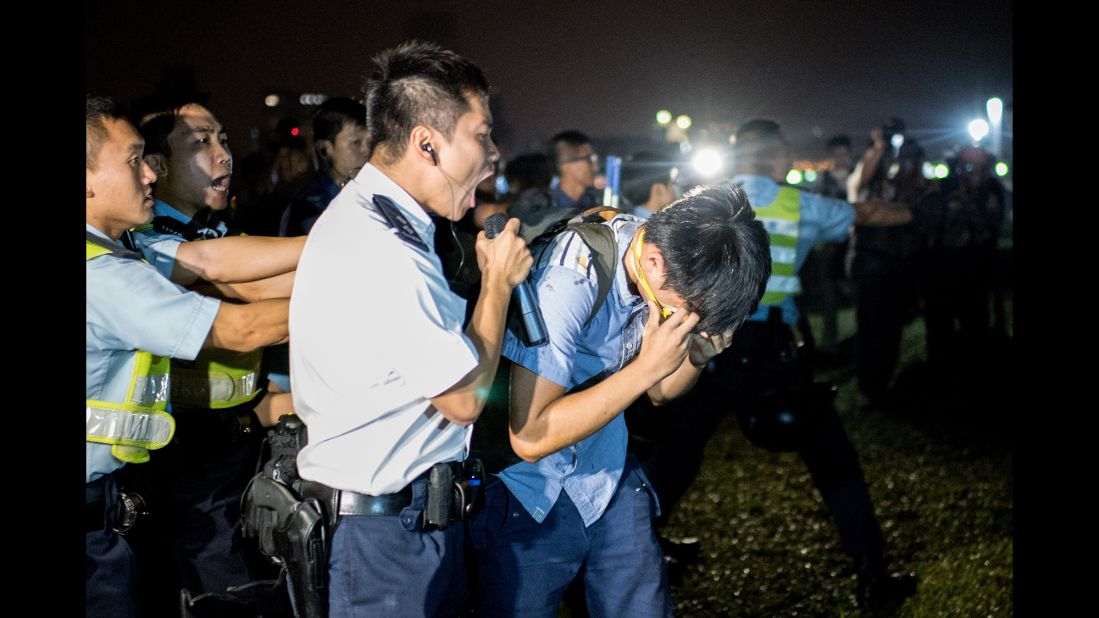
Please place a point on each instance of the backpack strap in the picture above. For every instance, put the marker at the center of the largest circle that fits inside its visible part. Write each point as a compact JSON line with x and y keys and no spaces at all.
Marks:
{"x":604,"y":247}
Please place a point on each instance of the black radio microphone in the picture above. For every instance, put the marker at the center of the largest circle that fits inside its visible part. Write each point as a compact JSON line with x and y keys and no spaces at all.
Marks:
{"x":533,"y":326}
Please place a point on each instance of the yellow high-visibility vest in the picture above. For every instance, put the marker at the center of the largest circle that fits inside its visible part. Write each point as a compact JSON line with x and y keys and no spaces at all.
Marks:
{"x":141,"y":423}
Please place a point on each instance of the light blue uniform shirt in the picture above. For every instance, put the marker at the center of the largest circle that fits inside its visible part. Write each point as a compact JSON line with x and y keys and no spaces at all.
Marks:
{"x":823,"y":219}
{"x":565,"y":286}
{"x":160,"y":248}
{"x":132,"y":307}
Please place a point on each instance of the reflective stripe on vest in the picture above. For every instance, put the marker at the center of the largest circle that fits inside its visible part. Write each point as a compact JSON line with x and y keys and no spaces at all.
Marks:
{"x":141,"y":423}
{"x":217,"y":379}
{"x":781,"y":218}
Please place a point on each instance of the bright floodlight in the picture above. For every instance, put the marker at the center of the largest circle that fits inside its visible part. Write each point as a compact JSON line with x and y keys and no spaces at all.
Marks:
{"x":663,"y":117}
{"x":942,"y":171}
{"x":978,"y":129}
{"x":995,"y":108}
{"x":1001,"y":169}
{"x":897,"y":140}
{"x":683,"y":121}
{"x":271,"y":100}
{"x":811,"y":176}
{"x":794,"y":177}
{"x":928,"y":170}
{"x":707,"y":162}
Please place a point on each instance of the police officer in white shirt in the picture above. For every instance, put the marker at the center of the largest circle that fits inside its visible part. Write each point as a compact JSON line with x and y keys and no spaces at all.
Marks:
{"x":384,"y":376}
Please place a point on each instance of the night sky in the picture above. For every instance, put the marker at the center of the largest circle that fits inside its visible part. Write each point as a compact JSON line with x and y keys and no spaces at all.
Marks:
{"x":604,"y":68}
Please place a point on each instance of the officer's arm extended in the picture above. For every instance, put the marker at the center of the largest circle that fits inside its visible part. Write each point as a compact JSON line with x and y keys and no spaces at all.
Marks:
{"x":504,"y":262}
{"x":247,"y":327}
{"x":278,"y":286}
{"x":545,"y":420}
{"x":235,"y":259}
{"x":881,"y":214}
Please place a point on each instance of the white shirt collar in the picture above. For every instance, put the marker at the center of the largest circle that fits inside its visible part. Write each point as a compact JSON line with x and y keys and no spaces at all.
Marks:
{"x":370,"y":176}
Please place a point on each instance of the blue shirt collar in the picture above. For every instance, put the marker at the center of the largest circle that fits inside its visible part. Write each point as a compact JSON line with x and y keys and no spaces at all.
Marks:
{"x":164,"y":209}
{"x":625,"y":235}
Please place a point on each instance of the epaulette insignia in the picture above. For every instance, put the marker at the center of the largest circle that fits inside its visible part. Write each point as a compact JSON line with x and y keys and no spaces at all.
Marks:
{"x":395,"y":219}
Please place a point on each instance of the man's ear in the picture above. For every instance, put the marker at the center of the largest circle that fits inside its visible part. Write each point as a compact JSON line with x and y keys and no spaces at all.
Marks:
{"x":324,"y":150}
{"x":88,"y":187}
{"x":418,"y":138}
{"x":159,"y":163}
{"x":652,"y":260}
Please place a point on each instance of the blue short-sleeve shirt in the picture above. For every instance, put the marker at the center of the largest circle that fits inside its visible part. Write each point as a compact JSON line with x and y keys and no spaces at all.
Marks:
{"x":130,"y":306}
{"x":565,"y":287}
{"x":160,"y":248}
{"x":822,"y":219}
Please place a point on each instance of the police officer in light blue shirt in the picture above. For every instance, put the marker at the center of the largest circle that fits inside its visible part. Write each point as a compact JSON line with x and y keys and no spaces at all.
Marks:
{"x":136,"y":320}
{"x":577,"y":501}
{"x":765,"y":360}
{"x":198,"y":480}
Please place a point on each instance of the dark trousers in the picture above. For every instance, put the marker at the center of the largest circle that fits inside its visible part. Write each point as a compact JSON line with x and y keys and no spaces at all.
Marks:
{"x":382,"y":565}
{"x":109,"y":568}
{"x":884,"y":303}
{"x":192,"y":539}
{"x":956,"y":288}
{"x":753,"y":365}
{"x":821,"y":277}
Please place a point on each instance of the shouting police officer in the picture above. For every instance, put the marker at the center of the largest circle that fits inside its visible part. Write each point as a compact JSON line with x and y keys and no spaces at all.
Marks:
{"x":371,"y":311}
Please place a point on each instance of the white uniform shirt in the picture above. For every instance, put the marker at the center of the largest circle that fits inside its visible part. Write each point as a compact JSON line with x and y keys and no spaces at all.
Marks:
{"x":375,"y":332}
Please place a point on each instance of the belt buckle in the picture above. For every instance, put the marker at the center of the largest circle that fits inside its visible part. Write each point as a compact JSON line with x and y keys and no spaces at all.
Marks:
{"x":131,"y":507}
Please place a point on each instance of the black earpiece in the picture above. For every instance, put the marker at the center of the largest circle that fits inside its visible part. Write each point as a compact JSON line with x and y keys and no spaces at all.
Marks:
{"x":429,"y":149}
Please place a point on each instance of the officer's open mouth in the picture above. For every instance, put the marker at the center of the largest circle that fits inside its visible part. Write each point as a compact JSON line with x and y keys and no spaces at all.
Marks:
{"x":221,"y":183}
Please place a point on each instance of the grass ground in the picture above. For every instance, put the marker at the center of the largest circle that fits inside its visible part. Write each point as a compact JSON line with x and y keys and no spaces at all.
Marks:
{"x":939,"y":465}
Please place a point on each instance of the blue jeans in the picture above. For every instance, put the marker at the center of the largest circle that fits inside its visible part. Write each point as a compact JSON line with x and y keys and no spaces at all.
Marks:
{"x":523,"y":568}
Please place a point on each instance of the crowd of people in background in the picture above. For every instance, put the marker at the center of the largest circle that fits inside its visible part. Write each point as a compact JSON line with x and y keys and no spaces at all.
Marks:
{"x":198,"y":259}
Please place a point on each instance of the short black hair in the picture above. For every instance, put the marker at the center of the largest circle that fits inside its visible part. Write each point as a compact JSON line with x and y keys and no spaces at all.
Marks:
{"x":563,"y":140}
{"x":155,"y":117}
{"x":641,"y":172}
{"x":529,"y":171}
{"x":758,"y":142}
{"x":717,"y":255}
{"x":418,"y":83}
{"x":333,"y":114}
{"x":99,"y":111}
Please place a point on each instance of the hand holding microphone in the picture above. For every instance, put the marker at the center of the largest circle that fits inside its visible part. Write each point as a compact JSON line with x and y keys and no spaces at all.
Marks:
{"x":503,"y":250}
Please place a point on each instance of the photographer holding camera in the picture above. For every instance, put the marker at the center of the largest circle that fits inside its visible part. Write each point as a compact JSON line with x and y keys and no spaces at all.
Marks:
{"x":884,"y":258}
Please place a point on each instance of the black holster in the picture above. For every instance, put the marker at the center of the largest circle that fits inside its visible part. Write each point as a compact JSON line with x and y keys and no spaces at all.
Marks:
{"x":453,"y":492}
{"x":290,"y":532}
{"x":303,"y":544}
{"x":289,"y":529}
